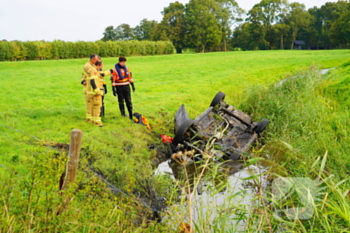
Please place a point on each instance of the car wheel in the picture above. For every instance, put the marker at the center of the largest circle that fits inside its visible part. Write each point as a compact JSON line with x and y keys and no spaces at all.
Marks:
{"x":179,"y":135}
{"x":219,"y":96}
{"x":261,"y":126}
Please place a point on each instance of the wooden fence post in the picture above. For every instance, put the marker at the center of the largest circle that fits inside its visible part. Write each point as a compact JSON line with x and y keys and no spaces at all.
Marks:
{"x":72,"y":164}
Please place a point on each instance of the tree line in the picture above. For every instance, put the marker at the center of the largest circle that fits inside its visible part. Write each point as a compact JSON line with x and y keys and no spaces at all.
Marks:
{"x":221,"y":25}
{"x":206,"y":25}
{"x":58,"y":49}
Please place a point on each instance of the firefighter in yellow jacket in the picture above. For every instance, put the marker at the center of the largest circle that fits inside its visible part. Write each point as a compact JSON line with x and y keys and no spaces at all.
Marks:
{"x":87,"y":66}
{"x":84,"y":76}
{"x":94,"y":93}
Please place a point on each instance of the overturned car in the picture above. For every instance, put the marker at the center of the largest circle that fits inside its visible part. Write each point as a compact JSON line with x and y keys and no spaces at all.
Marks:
{"x":229,"y":132}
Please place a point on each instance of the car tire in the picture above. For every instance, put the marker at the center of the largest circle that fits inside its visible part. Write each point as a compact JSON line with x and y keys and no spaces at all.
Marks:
{"x":261,"y":126}
{"x":179,"y":135}
{"x":219,"y":96}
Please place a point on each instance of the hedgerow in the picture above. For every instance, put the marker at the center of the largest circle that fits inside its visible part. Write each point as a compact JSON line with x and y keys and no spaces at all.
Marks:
{"x":58,"y":49}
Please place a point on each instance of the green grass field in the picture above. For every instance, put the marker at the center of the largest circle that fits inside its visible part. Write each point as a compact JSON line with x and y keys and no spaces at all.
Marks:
{"x":42,"y":101}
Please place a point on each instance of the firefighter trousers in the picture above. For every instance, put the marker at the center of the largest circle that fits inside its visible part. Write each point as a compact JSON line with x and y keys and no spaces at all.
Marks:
{"x":95,"y":103}
{"x":88,"y":108}
{"x":123,"y":93}
{"x":103,"y":107}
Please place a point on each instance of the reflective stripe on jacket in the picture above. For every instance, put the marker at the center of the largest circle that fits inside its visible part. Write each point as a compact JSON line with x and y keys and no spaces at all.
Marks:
{"x":85,"y":74}
{"x":116,"y":81}
{"x":93,"y":74}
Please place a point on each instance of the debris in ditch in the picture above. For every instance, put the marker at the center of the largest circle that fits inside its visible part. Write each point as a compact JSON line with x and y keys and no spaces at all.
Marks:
{"x":141,"y":120}
{"x":165,"y":138}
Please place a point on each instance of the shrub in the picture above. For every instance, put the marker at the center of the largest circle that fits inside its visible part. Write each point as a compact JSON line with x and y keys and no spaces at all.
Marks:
{"x":6,"y":51}
{"x":32,"y":50}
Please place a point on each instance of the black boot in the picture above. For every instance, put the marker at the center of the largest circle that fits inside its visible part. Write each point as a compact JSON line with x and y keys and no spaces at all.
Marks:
{"x":123,"y":113}
{"x":130,"y":113}
{"x":122,"y":110}
{"x":102,"y":114}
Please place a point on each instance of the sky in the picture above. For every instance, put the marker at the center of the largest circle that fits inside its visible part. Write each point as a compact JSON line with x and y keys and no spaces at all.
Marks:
{"x":85,"y":20}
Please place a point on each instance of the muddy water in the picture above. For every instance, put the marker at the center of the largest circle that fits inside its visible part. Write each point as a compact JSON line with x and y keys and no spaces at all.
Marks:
{"x":325,"y":71}
{"x":210,"y":205}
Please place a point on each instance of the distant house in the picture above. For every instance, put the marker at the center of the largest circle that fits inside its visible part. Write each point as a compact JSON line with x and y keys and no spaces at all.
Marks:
{"x":299,"y":44}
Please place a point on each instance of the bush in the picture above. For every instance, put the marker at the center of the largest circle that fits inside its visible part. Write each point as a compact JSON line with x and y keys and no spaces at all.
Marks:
{"x":20,"y":50}
{"x":124,"y":48}
{"x":103,"y":48}
{"x":113,"y":49}
{"x":6,"y":51}
{"x":32,"y":50}
{"x":44,"y":49}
